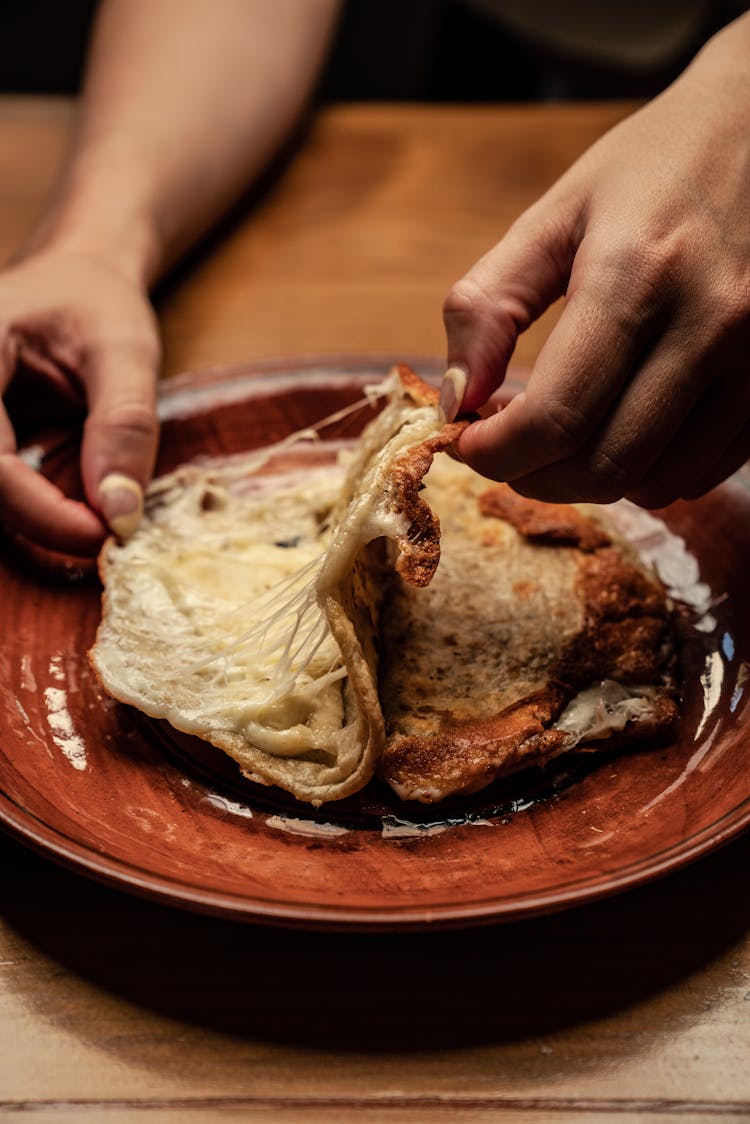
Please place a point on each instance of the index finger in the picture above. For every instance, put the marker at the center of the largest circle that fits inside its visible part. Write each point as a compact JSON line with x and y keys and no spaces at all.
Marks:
{"x":604,"y":332}
{"x":508,"y":288}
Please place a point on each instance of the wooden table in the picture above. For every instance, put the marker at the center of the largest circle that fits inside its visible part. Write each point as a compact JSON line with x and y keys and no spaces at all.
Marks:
{"x":114,"y":1009}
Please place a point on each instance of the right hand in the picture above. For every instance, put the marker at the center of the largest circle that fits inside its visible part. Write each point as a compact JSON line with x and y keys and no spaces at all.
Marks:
{"x":642,"y":388}
{"x":89,"y":331}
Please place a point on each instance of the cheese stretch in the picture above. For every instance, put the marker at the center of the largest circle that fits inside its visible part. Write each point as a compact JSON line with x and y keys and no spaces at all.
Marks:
{"x":237,"y":611}
{"x":216,"y":601}
{"x":250,"y":609}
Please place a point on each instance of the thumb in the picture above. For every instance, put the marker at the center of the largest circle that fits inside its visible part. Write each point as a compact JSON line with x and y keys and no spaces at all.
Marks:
{"x":120,"y":437}
{"x":502,"y":294}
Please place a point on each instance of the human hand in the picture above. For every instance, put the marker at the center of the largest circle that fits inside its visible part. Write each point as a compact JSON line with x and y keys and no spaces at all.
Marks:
{"x":643,"y":387}
{"x":90,"y":333}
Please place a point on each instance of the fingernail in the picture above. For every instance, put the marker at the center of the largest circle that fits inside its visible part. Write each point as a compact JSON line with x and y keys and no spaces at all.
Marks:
{"x":121,"y":501}
{"x":452,"y":391}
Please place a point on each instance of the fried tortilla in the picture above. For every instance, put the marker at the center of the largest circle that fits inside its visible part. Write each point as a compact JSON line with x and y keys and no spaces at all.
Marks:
{"x":245,"y":608}
{"x":303,"y":625}
{"x":540,"y":633}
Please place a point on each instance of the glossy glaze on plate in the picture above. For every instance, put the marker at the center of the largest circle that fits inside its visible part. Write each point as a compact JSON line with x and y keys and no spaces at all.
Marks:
{"x":129,"y":800}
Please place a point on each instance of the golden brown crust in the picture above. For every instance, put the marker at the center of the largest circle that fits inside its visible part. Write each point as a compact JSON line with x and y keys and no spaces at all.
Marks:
{"x":467,"y":757}
{"x":417,"y":389}
{"x":625,"y":627}
{"x":624,"y":635}
{"x":556,"y":523}
{"x":444,"y":746}
{"x":420,"y":549}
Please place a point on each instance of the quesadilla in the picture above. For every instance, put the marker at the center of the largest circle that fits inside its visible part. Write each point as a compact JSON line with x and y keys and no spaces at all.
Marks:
{"x":302,"y":624}
{"x":245,"y":608}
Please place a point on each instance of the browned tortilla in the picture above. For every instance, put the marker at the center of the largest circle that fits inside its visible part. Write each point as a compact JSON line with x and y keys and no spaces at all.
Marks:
{"x":463,"y":620}
{"x":532,"y":604}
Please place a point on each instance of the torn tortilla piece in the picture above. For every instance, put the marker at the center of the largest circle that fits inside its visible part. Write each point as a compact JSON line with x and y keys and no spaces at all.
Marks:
{"x":521,"y":648}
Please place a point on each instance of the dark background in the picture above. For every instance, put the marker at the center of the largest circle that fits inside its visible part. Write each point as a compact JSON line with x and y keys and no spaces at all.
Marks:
{"x":434,"y":50}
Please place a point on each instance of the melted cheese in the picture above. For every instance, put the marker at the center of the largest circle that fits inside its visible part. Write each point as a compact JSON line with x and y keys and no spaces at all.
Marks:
{"x":237,"y":640}
{"x":603,"y":709}
{"x":215,"y":619}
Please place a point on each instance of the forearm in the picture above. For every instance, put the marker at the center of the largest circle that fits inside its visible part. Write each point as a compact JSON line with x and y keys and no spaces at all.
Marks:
{"x":184,"y":103}
{"x":724,"y":59}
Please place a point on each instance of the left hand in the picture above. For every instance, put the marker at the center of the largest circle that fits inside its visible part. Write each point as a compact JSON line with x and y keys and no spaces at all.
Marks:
{"x":643,"y":387}
{"x":87,"y":331}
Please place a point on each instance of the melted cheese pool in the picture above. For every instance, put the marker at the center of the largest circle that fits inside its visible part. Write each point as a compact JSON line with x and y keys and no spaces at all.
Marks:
{"x":238,"y":641}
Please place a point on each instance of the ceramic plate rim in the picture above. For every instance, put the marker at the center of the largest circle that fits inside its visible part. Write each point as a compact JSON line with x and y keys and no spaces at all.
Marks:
{"x":27,"y":828}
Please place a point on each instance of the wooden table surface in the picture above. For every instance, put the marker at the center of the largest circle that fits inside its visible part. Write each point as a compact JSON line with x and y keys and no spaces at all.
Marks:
{"x":114,"y":1009}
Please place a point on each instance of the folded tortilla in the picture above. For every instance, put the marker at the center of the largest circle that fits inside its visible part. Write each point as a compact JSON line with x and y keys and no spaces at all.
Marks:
{"x":301,"y":623}
{"x":245,"y":608}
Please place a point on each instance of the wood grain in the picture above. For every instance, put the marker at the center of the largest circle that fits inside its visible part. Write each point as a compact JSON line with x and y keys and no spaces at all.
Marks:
{"x":634,"y":1009}
{"x":365,"y":230}
{"x":357,"y":240}
{"x":334,"y":1112}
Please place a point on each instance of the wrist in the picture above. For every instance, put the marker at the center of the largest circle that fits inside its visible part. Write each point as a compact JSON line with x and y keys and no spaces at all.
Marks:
{"x":101,"y":210}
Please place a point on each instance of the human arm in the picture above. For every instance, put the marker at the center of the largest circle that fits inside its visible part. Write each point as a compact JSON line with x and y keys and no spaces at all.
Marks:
{"x":184,"y":103}
{"x":642,"y":388}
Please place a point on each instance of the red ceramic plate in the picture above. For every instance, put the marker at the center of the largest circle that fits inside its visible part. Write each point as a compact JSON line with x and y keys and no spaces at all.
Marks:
{"x":127,"y":800}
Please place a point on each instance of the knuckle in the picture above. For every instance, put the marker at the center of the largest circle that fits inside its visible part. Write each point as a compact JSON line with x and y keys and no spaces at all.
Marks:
{"x":558,"y":424}
{"x":143,"y":348}
{"x":551,"y":485}
{"x":134,"y":420}
{"x":468,"y":304}
{"x":610,"y":477}
{"x":632,"y":279}
{"x":595,"y":478}
{"x":131,"y":340}
{"x":539,"y":487}
{"x":145,"y":353}
{"x":663,"y":251}
{"x":548,"y":227}
{"x":729,"y":307}
{"x":464,"y":303}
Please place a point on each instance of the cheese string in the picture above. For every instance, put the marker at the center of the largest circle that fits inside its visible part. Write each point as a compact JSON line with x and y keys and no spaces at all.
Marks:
{"x":252,"y":464}
{"x":290,"y":627}
{"x":283,"y":621}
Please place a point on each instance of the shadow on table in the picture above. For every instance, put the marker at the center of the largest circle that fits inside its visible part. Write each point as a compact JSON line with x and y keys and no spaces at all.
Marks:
{"x":395,"y":993}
